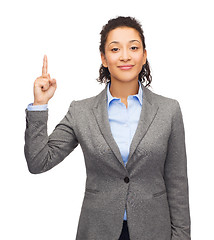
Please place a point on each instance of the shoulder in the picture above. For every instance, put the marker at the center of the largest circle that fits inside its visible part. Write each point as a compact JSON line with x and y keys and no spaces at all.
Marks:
{"x":87,"y":104}
{"x":167,"y":105}
{"x":157,"y":98}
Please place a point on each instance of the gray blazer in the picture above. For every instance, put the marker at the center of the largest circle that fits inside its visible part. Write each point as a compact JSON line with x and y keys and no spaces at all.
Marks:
{"x":153,"y":186}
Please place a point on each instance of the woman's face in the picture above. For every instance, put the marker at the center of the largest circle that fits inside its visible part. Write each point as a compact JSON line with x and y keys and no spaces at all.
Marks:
{"x":124,"y":54}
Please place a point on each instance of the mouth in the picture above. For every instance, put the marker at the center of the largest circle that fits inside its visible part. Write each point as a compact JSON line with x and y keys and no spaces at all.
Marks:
{"x":126,"y":67}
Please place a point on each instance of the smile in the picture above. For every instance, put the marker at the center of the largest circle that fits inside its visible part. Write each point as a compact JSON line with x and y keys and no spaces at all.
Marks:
{"x":126,"y":67}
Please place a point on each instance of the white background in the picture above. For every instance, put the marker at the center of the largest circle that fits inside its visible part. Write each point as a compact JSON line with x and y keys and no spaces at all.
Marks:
{"x":180,"y":45}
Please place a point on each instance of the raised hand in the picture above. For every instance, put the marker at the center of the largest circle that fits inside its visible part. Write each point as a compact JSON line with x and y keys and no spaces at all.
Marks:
{"x":44,"y":86}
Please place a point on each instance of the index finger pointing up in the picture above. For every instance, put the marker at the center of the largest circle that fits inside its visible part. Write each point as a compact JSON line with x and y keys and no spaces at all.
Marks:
{"x":45,"y":65}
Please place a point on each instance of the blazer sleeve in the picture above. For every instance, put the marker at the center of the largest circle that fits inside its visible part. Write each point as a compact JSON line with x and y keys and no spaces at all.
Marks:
{"x":43,"y":152}
{"x":175,"y":175}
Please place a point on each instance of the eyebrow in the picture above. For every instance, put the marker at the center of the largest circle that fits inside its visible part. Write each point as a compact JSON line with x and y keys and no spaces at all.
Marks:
{"x":119,"y":42}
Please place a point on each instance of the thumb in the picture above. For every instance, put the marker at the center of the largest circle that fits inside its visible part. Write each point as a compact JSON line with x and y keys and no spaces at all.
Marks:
{"x":53,"y":81}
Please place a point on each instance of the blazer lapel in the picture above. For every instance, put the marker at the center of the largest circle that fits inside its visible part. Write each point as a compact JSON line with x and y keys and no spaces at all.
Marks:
{"x":148,"y":112}
{"x":147,"y":115}
{"x":101,"y":114}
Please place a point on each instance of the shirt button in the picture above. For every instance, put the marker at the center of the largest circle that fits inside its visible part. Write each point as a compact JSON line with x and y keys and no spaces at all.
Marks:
{"x":126,"y":179}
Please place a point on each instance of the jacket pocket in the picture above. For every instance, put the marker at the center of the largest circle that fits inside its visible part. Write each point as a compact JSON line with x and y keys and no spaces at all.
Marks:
{"x":91,"y":190}
{"x":158,"y":194}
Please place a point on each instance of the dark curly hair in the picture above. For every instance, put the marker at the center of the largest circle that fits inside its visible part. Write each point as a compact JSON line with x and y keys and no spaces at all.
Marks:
{"x":104,"y":74}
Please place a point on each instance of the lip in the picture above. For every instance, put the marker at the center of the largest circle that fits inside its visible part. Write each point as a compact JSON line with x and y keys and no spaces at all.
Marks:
{"x":126,"y":67}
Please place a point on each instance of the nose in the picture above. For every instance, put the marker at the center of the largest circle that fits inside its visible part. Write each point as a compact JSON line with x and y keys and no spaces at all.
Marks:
{"x":125,"y":56}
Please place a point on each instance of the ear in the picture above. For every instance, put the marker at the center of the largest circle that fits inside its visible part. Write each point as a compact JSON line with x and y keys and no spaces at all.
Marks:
{"x":144,"y":56}
{"x":104,"y":61}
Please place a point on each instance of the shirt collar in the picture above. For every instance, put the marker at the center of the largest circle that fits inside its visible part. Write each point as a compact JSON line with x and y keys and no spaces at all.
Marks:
{"x":139,"y":95}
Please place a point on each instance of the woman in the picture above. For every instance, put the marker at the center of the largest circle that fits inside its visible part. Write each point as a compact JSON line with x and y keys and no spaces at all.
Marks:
{"x":133,"y":143}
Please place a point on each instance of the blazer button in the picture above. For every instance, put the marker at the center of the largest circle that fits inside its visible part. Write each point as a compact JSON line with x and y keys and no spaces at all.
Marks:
{"x":126,"y":179}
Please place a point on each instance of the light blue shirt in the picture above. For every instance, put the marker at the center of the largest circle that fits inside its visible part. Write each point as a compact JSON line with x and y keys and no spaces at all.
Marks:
{"x":123,"y":121}
{"x":31,"y":107}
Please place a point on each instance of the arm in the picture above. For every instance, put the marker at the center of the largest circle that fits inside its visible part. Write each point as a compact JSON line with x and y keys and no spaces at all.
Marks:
{"x":43,"y":152}
{"x":176,"y":179}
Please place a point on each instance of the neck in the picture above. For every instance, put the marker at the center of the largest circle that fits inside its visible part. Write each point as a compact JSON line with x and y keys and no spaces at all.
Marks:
{"x":123,"y":89}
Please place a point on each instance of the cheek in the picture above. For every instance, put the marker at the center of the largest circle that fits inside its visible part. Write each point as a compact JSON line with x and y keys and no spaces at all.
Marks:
{"x":139,"y":59}
{"x":112,"y":60}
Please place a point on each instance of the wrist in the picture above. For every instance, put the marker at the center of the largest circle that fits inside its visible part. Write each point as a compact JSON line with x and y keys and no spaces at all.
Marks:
{"x":35,"y":103}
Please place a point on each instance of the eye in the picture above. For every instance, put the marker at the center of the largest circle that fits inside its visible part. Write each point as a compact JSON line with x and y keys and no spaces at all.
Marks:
{"x":134,"y":48}
{"x":114,"y":49}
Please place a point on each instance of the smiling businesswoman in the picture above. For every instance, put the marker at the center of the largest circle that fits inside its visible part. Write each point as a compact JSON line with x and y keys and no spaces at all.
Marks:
{"x":133,"y":143}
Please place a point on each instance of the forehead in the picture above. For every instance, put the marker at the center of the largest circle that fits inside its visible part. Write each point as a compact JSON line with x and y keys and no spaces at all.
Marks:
{"x":122,"y":34}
